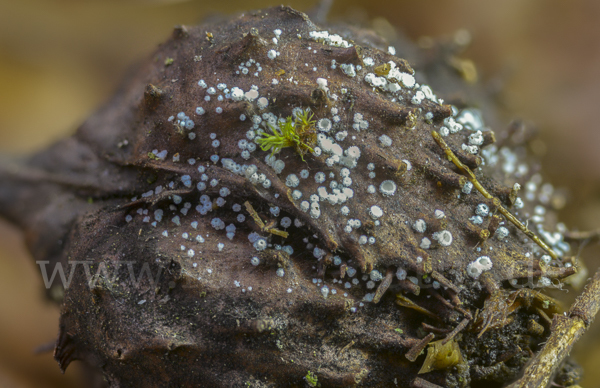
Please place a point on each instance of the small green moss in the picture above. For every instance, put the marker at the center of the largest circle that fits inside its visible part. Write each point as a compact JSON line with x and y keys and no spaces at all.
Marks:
{"x":151,"y":156}
{"x":299,"y":133}
{"x":169,"y":61}
{"x":398,"y":330}
{"x":311,"y":379}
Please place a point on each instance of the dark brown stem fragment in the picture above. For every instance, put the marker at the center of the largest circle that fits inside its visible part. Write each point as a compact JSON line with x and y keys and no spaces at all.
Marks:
{"x":456,"y":330}
{"x":385,"y":284}
{"x":445,"y":282}
{"x":416,"y":350}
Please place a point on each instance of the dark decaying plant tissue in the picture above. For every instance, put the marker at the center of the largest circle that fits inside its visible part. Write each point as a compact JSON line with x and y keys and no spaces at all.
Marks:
{"x":268,"y":202}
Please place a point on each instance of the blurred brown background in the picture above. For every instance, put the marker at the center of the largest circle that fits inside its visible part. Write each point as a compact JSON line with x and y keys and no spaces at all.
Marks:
{"x":60,"y":59}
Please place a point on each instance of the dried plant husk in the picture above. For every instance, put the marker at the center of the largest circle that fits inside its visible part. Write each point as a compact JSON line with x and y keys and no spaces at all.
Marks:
{"x":204,"y":314}
{"x":441,"y":356}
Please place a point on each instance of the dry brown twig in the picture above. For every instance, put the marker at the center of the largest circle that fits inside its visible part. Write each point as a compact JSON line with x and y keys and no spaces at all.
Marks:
{"x":566,"y":330}
{"x":264,"y":227}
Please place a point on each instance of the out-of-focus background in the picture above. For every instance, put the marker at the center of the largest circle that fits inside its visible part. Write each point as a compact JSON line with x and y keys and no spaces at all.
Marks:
{"x":61,"y":59}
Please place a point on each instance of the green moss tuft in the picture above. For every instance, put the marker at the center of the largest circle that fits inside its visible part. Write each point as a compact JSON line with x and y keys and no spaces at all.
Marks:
{"x":311,"y":379}
{"x":299,"y":133}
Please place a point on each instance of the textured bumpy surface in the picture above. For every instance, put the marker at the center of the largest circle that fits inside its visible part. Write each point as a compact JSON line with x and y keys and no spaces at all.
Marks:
{"x":362,"y":253}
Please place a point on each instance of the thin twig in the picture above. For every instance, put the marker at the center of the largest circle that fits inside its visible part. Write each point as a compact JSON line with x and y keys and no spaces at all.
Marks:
{"x":346,"y":347}
{"x":416,"y":350}
{"x":261,"y":224}
{"x":565,"y":331}
{"x":384,"y":285}
{"x":403,"y":301}
{"x":471,"y":176}
{"x":456,"y":330}
{"x":578,"y":236}
{"x":254,"y":215}
{"x":445,"y":282}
